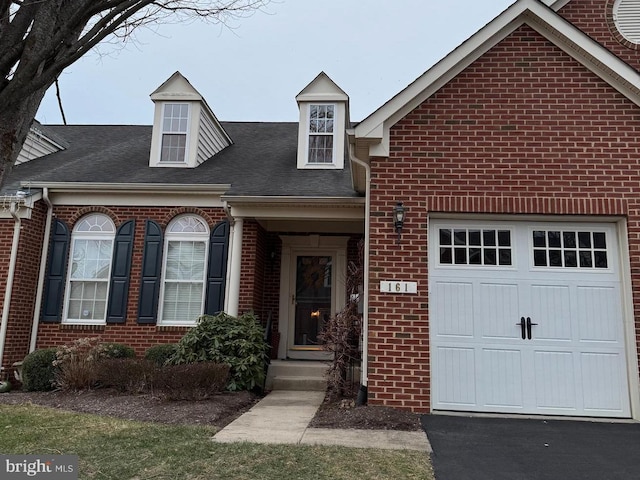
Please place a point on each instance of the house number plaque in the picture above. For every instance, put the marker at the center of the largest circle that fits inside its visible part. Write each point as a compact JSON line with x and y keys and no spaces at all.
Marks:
{"x":397,"y":286}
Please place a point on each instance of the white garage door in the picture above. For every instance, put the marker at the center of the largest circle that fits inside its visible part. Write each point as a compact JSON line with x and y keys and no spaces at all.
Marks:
{"x":527,"y":318}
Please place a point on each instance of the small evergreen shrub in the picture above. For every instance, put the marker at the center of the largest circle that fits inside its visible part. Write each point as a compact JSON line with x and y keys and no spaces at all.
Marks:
{"x":77,"y":363}
{"x":38,"y":371}
{"x":118,"y":350}
{"x":234,"y":341}
{"x":191,"y":381}
{"x":160,"y":354}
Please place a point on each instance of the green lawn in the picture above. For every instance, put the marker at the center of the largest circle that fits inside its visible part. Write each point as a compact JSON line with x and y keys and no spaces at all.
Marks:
{"x":110,"y":448}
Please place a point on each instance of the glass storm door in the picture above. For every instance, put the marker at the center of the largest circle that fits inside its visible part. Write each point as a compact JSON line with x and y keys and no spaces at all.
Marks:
{"x":312,"y":299}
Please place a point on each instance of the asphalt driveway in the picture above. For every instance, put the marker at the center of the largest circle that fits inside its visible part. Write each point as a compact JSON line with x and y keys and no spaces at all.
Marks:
{"x":513,"y":449}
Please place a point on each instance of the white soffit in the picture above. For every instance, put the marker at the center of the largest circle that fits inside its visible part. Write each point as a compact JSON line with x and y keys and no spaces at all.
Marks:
{"x":530,"y":12}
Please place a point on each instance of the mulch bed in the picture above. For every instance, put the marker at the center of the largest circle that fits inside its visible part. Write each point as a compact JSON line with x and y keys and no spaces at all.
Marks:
{"x":217,"y":411}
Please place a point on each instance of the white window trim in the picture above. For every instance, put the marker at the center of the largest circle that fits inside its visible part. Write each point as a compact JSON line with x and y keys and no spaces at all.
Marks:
{"x":87,"y":236}
{"x":471,"y":226}
{"x":336,"y":111}
{"x":185,"y":161}
{"x":178,"y":237}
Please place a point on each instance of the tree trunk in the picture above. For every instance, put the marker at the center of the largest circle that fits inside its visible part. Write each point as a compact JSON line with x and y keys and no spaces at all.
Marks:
{"x":15,"y":122}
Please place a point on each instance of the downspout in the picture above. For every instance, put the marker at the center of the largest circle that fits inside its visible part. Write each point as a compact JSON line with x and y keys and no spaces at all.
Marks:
{"x":362,"y":394}
{"x":13,"y":210}
{"x":43,"y":269}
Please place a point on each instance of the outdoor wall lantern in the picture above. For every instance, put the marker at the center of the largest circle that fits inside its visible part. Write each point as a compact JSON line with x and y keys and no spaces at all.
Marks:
{"x":398,"y":219}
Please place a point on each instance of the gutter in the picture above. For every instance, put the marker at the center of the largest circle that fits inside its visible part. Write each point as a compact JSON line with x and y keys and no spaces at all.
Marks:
{"x":362,"y":394}
{"x":43,"y":270}
{"x":13,"y":210}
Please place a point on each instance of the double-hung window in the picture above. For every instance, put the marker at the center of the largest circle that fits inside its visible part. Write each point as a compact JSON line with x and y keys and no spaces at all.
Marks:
{"x":175,"y":125}
{"x":321,"y":133}
{"x":89,"y":270}
{"x":184,"y":272}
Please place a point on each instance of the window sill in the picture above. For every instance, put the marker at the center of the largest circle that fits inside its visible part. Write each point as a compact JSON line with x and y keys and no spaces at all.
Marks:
{"x":321,"y":166}
{"x":95,"y":327}
{"x":174,"y":328}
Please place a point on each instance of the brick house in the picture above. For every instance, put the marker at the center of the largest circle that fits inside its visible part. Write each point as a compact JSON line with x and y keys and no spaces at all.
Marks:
{"x":512,"y":286}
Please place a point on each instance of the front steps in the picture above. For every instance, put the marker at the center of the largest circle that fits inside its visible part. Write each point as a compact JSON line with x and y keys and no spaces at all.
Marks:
{"x":305,"y":375}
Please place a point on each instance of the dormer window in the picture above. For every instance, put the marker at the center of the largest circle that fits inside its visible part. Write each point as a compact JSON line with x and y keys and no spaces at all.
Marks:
{"x":175,"y":123}
{"x":324,"y":113}
{"x":321,"y":133}
{"x":185,"y":132}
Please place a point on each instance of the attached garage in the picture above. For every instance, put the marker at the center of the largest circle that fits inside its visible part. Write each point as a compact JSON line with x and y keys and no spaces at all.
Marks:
{"x":527,"y":317}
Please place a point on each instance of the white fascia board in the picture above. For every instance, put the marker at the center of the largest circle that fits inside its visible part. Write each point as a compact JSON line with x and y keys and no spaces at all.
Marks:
{"x":538,"y":16}
{"x":556,"y":4}
{"x":308,"y":208}
{"x":63,"y":193}
{"x":129,"y":187}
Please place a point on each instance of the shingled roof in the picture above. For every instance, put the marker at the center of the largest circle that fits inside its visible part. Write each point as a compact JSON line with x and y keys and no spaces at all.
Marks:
{"x":261,"y":162}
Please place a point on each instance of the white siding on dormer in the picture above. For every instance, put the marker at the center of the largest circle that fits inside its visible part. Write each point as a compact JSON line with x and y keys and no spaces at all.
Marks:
{"x":211,"y":138}
{"x":35,"y":146}
{"x":205,"y":135}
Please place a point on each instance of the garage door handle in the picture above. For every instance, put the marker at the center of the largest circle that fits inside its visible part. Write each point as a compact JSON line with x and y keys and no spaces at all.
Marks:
{"x":522,"y":327}
{"x":529,"y":325}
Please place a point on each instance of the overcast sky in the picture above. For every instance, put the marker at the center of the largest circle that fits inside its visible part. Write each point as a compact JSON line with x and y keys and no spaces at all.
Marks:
{"x":371,"y":48}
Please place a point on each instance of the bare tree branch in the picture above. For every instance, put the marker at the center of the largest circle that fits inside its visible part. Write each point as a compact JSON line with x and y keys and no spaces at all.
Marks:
{"x":40,"y":38}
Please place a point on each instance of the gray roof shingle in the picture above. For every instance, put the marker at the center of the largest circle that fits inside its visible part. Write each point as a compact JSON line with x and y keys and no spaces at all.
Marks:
{"x":261,"y":162}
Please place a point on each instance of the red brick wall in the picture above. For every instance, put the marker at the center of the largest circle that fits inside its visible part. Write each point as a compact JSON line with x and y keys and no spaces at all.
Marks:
{"x":595,"y":18}
{"x":525,"y":129}
{"x":25,"y":284}
{"x":252,"y":269}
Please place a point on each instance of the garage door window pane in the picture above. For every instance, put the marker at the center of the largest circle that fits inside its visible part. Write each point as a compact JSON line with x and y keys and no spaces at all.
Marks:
{"x":475,"y":247}
{"x":569,"y":249}
{"x":446,"y":256}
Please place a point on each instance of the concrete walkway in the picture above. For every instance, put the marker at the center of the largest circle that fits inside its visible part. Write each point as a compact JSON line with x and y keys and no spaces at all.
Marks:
{"x":282,"y":417}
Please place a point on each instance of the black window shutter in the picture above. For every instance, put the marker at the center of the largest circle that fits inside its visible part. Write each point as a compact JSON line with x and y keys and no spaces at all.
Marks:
{"x":120,"y":270}
{"x":217,"y":271}
{"x":56,"y":272}
{"x":151,"y":272}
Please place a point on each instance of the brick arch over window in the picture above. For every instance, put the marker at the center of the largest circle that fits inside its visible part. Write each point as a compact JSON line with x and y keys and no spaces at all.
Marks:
{"x":210,"y":221}
{"x":94,"y":209}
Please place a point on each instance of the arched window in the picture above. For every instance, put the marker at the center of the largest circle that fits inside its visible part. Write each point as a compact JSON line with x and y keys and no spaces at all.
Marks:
{"x":184,"y":271}
{"x":89,"y":270}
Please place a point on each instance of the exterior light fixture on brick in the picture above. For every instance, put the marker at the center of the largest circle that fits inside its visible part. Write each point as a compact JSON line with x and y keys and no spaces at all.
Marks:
{"x":398,"y":219}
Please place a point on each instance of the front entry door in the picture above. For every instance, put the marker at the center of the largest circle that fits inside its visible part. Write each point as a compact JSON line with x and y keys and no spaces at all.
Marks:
{"x":312,"y":290}
{"x":311,"y":299}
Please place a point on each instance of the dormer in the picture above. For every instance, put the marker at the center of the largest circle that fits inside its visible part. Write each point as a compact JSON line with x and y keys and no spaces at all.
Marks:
{"x":40,"y":141}
{"x":185,"y":130}
{"x":324,"y":113}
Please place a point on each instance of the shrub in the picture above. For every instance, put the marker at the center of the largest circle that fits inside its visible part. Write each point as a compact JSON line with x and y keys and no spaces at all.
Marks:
{"x":234,"y":341}
{"x":38,"y":371}
{"x":193,"y":381}
{"x":77,"y":363}
{"x":118,"y":350}
{"x":160,"y":354}
{"x":130,"y":375}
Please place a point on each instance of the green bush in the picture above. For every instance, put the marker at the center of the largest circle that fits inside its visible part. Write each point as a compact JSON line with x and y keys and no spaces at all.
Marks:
{"x":191,"y":381}
{"x":38,"y":371}
{"x":234,"y":341}
{"x":118,"y":350}
{"x":160,"y":354}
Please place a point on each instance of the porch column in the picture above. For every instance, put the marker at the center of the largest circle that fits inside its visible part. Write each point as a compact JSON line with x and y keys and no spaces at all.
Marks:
{"x":236,"y":264}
